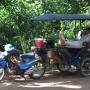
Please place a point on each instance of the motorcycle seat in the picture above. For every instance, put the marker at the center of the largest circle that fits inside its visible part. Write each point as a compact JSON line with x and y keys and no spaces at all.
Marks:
{"x":28,"y":55}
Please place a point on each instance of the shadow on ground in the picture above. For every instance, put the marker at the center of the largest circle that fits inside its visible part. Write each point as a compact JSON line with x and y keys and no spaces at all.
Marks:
{"x":55,"y":79}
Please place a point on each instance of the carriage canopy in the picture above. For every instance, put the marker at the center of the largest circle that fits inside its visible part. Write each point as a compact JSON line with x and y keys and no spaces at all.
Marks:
{"x":54,"y":16}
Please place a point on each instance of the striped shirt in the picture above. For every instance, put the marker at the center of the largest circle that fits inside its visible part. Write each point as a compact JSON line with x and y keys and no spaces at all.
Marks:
{"x":86,"y":38}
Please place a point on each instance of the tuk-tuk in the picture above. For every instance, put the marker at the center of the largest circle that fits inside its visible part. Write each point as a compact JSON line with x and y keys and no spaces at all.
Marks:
{"x":65,"y":57}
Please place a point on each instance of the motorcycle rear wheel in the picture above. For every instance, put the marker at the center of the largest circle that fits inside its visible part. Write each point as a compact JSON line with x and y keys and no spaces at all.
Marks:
{"x":2,"y":73}
{"x":38,"y":70}
{"x":63,"y":68}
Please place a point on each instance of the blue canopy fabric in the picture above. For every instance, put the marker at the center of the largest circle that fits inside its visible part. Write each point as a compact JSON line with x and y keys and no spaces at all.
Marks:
{"x":54,"y":16}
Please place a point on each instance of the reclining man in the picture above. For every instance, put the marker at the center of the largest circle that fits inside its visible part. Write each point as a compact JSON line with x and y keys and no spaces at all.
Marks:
{"x":85,"y":38}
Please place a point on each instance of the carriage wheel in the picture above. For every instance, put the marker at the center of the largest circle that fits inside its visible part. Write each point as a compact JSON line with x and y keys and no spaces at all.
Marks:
{"x":85,"y":67}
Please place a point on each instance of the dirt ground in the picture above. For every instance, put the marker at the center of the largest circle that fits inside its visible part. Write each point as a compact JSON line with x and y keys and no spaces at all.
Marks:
{"x":51,"y":81}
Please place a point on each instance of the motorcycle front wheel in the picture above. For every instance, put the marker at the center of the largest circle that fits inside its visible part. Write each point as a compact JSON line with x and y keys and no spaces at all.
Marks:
{"x":2,"y":73}
{"x":38,"y":70}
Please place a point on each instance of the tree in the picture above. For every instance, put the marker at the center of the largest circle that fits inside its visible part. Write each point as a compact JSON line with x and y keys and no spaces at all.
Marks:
{"x":17,"y":27}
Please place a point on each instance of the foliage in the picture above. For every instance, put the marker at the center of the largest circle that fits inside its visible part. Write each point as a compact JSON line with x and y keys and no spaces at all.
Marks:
{"x":17,"y":27}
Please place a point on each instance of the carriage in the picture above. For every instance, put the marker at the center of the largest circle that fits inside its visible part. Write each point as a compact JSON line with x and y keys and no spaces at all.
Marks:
{"x":65,"y":57}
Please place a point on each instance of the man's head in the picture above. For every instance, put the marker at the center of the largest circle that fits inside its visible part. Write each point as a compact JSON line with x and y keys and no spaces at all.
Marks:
{"x":88,"y":29}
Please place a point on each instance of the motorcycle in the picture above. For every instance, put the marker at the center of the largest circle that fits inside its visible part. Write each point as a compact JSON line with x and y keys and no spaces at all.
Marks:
{"x":27,"y":64}
{"x":50,"y":54}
